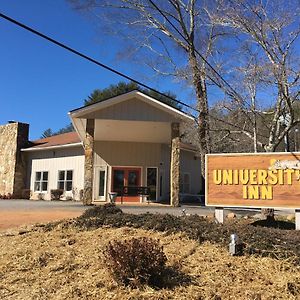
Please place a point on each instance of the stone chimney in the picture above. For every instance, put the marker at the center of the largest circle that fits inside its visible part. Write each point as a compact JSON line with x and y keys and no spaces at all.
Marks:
{"x":13,"y":137}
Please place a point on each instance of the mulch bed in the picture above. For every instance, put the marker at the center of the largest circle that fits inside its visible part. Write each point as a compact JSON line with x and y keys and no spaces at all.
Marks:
{"x":256,"y":237}
{"x":66,"y":259}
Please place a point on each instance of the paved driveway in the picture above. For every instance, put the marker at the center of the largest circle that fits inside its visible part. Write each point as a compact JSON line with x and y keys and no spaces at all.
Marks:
{"x":15,"y":213}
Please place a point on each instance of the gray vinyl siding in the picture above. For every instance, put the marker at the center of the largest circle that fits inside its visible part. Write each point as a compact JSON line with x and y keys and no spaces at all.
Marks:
{"x":134,"y":110}
{"x":188,"y":164}
{"x":191,"y":164}
{"x":126,"y":154}
{"x":53,"y":161}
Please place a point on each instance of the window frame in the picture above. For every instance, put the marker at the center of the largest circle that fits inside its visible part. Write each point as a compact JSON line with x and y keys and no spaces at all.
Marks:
{"x":65,"y":180}
{"x":41,"y":181}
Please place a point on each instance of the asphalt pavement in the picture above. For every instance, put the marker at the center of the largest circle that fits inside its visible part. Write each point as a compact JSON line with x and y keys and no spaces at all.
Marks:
{"x":32,"y":205}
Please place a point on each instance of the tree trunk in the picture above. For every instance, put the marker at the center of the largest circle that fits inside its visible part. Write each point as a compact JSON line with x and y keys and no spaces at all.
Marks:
{"x":268,"y":213}
{"x":202,"y":106}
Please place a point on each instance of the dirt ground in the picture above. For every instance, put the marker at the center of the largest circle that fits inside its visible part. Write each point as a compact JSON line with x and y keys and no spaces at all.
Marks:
{"x":12,"y":219}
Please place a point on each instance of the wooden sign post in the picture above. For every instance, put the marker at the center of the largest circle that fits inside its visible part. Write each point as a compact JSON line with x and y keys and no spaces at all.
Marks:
{"x":258,"y":180}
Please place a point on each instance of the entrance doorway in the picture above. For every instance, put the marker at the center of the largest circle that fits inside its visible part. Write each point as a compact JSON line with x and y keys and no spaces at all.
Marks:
{"x":100,"y":183}
{"x":152,"y":183}
{"x":125,"y":176}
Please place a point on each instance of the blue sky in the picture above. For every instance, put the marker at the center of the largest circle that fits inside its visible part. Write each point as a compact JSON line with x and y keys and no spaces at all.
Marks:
{"x":39,"y":82}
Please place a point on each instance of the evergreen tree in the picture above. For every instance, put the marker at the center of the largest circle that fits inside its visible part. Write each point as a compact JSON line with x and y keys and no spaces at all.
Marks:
{"x":122,"y":88}
{"x":111,"y":91}
{"x":47,"y":133}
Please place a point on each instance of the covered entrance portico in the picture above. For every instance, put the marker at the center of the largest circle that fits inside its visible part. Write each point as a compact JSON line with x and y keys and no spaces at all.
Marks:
{"x":130,"y":140}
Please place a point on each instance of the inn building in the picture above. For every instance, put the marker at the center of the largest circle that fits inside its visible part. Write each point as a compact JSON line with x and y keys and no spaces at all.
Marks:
{"x":131,"y":140}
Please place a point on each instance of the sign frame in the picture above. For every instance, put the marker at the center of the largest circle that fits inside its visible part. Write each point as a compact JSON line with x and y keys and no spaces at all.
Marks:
{"x":246,"y":205}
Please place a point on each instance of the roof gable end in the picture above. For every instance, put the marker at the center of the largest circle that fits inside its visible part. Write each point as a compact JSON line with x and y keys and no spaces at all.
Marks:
{"x":130,"y":102}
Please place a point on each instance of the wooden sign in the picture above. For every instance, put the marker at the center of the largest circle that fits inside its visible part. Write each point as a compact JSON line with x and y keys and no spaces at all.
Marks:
{"x":269,"y":180}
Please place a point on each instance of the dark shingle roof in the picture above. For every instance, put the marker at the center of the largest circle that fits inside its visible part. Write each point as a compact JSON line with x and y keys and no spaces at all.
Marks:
{"x":57,"y":140}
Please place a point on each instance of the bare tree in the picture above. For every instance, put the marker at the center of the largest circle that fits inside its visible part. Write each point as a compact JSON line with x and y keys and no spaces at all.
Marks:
{"x":244,"y":109}
{"x":271,"y":30}
{"x":168,"y":33}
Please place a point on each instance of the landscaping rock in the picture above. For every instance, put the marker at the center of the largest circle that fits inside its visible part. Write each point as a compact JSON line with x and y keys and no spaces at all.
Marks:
{"x":23,"y":231}
{"x":290,"y":217}
{"x":258,"y":216}
{"x":231,"y":216}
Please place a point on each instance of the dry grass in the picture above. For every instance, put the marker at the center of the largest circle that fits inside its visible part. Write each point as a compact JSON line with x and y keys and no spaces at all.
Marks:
{"x":68,"y":264}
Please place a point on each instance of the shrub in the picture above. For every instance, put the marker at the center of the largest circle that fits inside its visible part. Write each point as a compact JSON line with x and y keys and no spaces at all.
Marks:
{"x":108,"y":208}
{"x":56,"y":194}
{"x":6,"y":196}
{"x":26,"y":193}
{"x":41,"y":196}
{"x":136,"y":261}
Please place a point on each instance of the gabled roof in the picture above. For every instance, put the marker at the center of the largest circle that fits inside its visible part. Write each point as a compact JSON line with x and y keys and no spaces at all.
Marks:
{"x":55,"y":141}
{"x":126,"y":96}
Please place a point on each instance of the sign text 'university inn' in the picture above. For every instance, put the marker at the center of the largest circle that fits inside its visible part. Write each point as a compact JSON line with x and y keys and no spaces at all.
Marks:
{"x":253,"y":180}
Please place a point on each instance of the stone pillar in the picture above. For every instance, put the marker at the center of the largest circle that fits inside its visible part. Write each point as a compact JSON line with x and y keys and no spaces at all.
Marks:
{"x":13,"y":137}
{"x":175,"y":164}
{"x":88,"y":162}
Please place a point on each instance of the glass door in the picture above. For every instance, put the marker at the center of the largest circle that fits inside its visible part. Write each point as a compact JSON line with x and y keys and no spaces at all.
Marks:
{"x":100,"y":183}
{"x":118,"y":181}
{"x":125,"y":176}
{"x":152,"y":183}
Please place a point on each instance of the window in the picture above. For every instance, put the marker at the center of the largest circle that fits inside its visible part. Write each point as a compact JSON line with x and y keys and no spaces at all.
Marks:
{"x":185,"y":183}
{"x":152,"y":182}
{"x":65,"y":180}
{"x":101,"y":183}
{"x":41,"y":181}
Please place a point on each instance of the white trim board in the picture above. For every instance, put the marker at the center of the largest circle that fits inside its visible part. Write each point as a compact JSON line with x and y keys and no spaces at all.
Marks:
{"x":52,"y":147}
